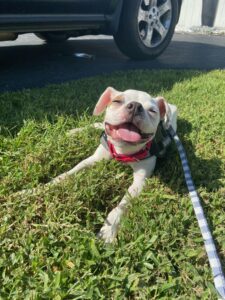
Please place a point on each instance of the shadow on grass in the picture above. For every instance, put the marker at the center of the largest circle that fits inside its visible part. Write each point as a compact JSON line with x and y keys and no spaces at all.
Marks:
{"x":74,"y":98}
{"x":205,"y":172}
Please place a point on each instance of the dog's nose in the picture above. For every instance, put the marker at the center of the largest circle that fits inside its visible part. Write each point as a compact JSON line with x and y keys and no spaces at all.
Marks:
{"x":134,"y":107}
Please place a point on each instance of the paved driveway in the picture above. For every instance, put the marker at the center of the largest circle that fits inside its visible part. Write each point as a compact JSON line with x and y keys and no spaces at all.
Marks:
{"x":28,"y":62}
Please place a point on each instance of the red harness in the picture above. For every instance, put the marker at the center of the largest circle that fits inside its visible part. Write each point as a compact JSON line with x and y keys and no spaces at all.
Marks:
{"x":142,"y":154}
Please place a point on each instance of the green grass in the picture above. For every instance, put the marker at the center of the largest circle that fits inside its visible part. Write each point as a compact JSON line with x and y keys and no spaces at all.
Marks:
{"x":48,"y":244}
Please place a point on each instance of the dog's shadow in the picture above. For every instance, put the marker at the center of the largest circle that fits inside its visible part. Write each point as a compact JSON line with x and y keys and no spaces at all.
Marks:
{"x":205,"y":172}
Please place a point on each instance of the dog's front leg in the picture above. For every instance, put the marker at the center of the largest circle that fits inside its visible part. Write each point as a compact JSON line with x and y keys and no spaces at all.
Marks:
{"x":100,"y":153}
{"x":142,"y":170}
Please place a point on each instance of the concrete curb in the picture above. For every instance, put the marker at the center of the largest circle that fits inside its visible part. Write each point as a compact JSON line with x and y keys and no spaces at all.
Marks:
{"x":205,"y":30}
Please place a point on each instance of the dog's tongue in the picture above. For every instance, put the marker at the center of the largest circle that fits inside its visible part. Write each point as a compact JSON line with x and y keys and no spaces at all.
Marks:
{"x":129,"y":133}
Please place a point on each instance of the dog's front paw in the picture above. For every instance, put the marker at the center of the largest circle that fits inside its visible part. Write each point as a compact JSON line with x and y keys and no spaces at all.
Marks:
{"x":109,"y":230}
{"x":108,"y":233}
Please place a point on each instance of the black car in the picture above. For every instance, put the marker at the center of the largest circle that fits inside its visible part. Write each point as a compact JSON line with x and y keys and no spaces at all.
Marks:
{"x":142,"y":29}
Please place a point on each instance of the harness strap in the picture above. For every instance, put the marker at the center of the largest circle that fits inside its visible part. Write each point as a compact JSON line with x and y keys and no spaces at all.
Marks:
{"x":219,"y":279}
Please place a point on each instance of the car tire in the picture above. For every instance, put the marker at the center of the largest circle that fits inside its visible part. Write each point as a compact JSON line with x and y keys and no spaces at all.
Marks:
{"x":146,"y":27}
{"x":53,"y":37}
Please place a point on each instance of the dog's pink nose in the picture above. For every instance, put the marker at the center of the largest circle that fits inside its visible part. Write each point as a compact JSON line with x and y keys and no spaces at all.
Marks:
{"x":134,"y":107}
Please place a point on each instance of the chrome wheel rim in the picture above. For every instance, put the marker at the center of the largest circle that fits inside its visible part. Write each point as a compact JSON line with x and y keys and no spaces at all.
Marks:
{"x":154,"y":20}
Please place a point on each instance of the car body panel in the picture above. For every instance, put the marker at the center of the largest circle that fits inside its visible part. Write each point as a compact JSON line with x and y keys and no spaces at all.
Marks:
{"x":40,"y":7}
{"x":47,"y":22}
{"x":44,"y":15}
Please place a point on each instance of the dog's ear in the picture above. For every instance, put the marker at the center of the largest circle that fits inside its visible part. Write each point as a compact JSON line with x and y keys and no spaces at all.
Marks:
{"x":164,"y":109}
{"x":104,"y":100}
{"x":162,"y":104}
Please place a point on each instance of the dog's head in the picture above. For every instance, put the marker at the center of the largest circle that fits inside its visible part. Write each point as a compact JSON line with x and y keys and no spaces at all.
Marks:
{"x":131,"y":116}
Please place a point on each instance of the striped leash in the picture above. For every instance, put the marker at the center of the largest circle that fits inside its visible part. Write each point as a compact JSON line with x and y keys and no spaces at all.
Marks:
{"x":214,"y":261}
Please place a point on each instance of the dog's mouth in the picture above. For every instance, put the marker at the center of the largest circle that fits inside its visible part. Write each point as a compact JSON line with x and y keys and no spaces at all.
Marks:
{"x":127,"y":132}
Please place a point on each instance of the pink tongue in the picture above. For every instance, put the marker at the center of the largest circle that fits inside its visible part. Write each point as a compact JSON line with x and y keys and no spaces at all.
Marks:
{"x":128,"y":135}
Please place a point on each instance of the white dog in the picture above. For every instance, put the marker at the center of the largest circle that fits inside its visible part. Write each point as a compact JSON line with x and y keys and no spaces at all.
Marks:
{"x":131,"y":121}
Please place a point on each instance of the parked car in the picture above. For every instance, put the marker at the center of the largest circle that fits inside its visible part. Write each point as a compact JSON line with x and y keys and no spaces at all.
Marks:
{"x":142,"y":29}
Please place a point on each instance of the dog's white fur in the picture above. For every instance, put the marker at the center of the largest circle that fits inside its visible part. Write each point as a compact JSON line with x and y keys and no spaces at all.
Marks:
{"x":115,"y":103}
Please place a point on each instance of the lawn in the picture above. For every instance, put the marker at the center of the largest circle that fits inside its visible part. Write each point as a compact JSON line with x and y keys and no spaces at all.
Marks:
{"x":48,"y":244}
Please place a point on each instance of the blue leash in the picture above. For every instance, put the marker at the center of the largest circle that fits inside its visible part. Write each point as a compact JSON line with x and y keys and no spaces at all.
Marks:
{"x":213,"y":257}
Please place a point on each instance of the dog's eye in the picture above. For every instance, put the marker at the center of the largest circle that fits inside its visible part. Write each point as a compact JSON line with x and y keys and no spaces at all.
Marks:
{"x":152,"y":110}
{"x":117,"y":101}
